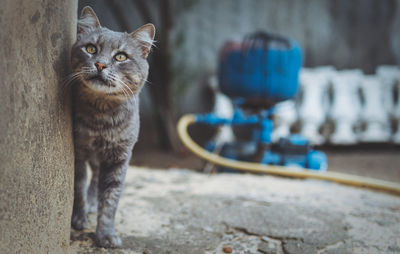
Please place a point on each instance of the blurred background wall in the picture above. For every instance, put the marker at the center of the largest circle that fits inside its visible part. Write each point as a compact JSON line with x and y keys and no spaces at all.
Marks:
{"x":346,"y":34}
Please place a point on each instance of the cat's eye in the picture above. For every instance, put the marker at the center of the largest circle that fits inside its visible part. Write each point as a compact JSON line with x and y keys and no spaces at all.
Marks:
{"x":91,"y":49}
{"x":120,"y":57}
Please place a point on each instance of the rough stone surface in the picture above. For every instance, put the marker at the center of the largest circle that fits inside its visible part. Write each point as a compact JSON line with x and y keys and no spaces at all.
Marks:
{"x":36,"y":149}
{"x":181,"y":212}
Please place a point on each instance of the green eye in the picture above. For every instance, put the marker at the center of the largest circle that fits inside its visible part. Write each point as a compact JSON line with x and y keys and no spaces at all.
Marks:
{"x":120,"y":57}
{"x":91,"y":49}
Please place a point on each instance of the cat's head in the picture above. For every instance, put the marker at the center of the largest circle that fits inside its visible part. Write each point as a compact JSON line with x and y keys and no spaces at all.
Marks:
{"x":109,"y":62}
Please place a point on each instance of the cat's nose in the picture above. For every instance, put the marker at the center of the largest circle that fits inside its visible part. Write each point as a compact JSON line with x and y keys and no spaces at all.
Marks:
{"x":100,"y":66}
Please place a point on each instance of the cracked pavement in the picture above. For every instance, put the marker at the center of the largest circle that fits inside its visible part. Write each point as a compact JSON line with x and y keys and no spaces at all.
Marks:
{"x":184,"y":212}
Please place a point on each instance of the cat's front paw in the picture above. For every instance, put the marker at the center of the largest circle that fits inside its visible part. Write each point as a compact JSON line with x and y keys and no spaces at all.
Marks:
{"x":79,"y":221}
{"x":108,"y":240}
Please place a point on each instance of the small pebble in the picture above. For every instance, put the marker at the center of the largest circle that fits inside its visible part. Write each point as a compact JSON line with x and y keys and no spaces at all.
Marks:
{"x":227,"y":249}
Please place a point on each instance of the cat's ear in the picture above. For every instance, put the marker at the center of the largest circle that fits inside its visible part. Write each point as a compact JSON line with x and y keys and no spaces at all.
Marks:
{"x":88,"y":20}
{"x":145,"y":35}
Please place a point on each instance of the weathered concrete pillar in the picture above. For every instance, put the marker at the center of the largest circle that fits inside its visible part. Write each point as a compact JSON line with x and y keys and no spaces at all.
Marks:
{"x":36,"y":146}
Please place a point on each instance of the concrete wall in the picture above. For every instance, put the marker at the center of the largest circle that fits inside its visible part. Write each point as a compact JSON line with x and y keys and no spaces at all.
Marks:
{"x":36,"y":146}
{"x":346,"y":34}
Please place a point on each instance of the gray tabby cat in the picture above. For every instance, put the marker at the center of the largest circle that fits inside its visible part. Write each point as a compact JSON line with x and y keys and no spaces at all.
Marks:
{"x":111,"y":68}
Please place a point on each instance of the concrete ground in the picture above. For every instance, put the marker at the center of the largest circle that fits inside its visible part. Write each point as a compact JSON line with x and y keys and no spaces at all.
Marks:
{"x":183,"y":212}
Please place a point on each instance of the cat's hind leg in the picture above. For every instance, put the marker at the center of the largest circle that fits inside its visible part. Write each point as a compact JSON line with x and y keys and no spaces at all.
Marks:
{"x":93,"y":187}
{"x":79,"y":219}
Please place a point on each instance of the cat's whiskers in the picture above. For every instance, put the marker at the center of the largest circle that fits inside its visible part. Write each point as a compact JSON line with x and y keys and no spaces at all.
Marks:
{"x":73,"y":76}
{"x":122,"y":82}
{"x":147,"y":82}
{"x":114,"y":78}
{"x":125,"y":85}
{"x":125,"y":93}
{"x":108,"y":80}
{"x":85,"y":70}
{"x":70,"y":78}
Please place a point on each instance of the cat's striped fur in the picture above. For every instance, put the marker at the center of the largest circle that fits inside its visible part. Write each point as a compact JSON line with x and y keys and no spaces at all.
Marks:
{"x":106,"y":117}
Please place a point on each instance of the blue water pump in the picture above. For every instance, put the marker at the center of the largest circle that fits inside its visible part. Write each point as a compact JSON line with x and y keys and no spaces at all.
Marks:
{"x":256,"y":73}
{"x":262,"y":68}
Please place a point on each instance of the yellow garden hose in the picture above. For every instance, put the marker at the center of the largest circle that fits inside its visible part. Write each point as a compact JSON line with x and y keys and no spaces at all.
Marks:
{"x":341,"y":178}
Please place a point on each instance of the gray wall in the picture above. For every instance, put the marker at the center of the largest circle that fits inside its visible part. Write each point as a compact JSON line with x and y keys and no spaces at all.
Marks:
{"x":347,"y":34}
{"x":36,"y":147}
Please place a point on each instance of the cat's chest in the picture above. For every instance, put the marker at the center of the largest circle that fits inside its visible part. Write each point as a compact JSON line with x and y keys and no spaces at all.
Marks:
{"x":93,"y":139}
{"x":99,"y":141}
{"x":103,"y":125}
{"x":97,"y":131}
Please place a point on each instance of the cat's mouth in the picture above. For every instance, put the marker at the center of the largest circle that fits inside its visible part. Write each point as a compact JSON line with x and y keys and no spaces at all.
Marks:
{"x":99,"y":80}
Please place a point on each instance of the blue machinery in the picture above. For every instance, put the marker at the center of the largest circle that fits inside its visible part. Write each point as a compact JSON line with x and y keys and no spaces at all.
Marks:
{"x":257,"y":73}
{"x":293,"y":151}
